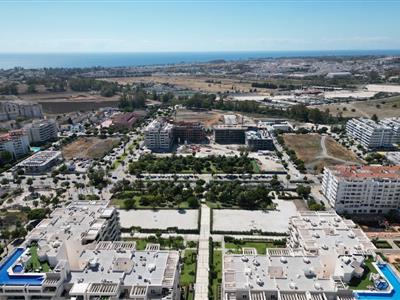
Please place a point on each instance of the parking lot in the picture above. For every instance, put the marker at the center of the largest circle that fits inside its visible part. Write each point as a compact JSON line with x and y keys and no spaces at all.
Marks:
{"x":159,"y":219}
{"x":246,"y":220}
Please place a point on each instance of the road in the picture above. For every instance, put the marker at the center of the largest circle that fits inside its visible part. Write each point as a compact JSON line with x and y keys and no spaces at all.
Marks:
{"x":203,"y":267}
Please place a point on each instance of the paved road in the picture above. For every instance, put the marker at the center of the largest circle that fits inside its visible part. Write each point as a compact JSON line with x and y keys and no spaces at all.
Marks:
{"x":201,"y":285}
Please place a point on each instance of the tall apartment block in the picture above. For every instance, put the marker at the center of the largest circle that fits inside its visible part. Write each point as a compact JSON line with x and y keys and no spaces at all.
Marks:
{"x":15,"y":142}
{"x":362,"y":189}
{"x":158,"y":135}
{"x":42,"y":131}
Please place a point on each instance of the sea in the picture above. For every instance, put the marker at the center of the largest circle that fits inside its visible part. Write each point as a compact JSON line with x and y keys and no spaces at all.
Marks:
{"x":84,"y":60}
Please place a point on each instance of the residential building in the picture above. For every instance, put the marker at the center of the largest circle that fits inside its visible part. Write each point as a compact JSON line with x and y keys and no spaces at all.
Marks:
{"x":393,"y":157}
{"x":323,"y":253}
{"x":158,"y":135}
{"x":259,"y":140}
{"x":188,"y":132}
{"x":41,"y":162}
{"x":15,"y":142}
{"x":394,"y":124}
{"x":124,"y":120}
{"x":81,"y":259}
{"x":229,"y":134}
{"x":370,"y":134}
{"x":42,"y":131}
{"x":11,"y":110}
{"x":362,"y":189}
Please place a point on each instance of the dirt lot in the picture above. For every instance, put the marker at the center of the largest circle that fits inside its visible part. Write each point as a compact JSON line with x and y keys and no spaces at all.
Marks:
{"x":89,"y":147}
{"x":190,"y":82}
{"x":388,"y":107}
{"x":208,"y":118}
{"x":309,"y":148}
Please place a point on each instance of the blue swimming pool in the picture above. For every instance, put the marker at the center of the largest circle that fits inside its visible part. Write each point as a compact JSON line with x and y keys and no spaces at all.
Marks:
{"x":17,"y":279}
{"x":394,"y":281}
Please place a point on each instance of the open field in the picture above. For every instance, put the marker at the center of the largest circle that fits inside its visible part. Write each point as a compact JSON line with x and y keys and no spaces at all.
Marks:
{"x":195,"y":83}
{"x":88,"y":147}
{"x":64,"y":102}
{"x":319,"y":151}
{"x":208,"y":118}
{"x":387,"y":107}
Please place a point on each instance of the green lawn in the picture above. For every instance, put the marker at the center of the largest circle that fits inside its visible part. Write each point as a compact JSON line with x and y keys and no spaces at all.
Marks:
{"x":217,"y":270}
{"x":188,"y":272}
{"x":34,"y":263}
{"x":363,"y":282}
{"x":261,"y":246}
{"x":381,"y":244}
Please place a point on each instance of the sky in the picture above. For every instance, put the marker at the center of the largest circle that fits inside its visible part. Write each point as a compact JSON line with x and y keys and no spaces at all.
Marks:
{"x":197,"y":25}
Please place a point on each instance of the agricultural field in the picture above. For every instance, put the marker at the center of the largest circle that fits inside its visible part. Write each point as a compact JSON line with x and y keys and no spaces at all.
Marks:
{"x":318,"y":151}
{"x":383,"y":108}
{"x":89,"y":148}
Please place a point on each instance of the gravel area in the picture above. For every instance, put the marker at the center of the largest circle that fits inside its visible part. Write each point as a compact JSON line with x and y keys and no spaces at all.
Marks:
{"x":159,"y":219}
{"x":246,"y":220}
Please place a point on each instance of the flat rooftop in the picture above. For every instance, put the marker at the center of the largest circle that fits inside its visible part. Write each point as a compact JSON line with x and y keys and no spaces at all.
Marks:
{"x":367,"y":172}
{"x":41,"y":158}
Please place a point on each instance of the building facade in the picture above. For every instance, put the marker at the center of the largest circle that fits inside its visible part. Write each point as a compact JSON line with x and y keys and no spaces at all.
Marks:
{"x":188,"y":132}
{"x":42,"y":131}
{"x":15,"y":142}
{"x":158,"y":135}
{"x":11,"y":110}
{"x":370,"y":134}
{"x":362,"y":189}
{"x":259,"y":140}
{"x":229,"y":134}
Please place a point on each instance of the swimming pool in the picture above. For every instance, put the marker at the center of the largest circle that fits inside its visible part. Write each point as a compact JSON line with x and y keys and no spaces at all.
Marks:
{"x":391,"y":276}
{"x":17,"y":279}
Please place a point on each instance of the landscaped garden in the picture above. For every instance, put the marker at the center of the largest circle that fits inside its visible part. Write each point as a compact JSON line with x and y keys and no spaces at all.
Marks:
{"x":364,"y":282}
{"x":188,"y":273}
{"x":236,"y":246}
{"x":34,"y":264}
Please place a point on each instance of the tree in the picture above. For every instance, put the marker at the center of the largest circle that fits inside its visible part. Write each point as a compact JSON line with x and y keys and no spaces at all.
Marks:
{"x":303,"y":191}
{"x":374,"y":118}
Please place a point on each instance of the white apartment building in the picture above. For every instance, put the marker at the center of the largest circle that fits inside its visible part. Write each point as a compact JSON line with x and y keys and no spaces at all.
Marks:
{"x":11,"y":110}
{"x":15,"y":142}
{"x":158,"y":135}
{"x":393,"y":123}
{"x":370,"y":134}
{"x":81,"y":259}
{"x":42,"y":131}
{"x":362,"y":189}
{"x":323,"y":253}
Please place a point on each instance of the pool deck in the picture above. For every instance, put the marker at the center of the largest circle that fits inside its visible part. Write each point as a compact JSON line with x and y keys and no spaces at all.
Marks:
{"x":8,"y":277}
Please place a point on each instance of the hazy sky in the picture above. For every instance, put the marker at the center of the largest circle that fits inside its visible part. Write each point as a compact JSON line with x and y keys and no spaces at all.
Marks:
{"x":197,"y":25}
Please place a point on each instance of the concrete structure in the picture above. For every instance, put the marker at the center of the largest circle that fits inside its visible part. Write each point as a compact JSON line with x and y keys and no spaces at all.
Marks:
{"x":324,"y":252}
{"x":85,"y":262}
{"x":158,"y":135}
{"x":41,"y":162}
{"x":124,"y":120}
{"x":259,"y":140}
{"x":370,"y":134}
{"x":188,"y":132}
{"x":11,"y":110}
{"x":394,"y":124}
{"x":393,"y":157}
{"x":229,"y":134}
{"x":362,"y":189}
{"x":42,"y":131}
{"x":15,"y":142}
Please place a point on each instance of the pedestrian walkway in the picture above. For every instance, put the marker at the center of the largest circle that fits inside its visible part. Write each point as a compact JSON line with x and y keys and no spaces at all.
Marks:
{"x":201,"y":286}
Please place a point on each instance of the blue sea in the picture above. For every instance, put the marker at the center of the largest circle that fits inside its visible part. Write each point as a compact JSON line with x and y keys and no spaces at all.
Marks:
{"x":82,"y":60}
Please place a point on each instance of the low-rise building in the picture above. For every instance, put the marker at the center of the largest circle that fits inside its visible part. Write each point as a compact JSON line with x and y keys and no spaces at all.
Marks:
{"x":323,"y":253}
{"x":362,"y":189}
{"x":42,"y":131}
{"x":15,"y":142}
{"x":124,"y":120}
{"x":259,"y":140}
{"x":394,"y":124}
{"x":370,"y":134}
{"x":77,"y":257}
{"x":41,"y":162}
{"x":158,"y":135}
{"x":229,"y":134}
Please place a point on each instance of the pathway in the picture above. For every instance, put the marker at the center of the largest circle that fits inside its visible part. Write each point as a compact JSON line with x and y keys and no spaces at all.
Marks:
{"x":201,"y":285}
